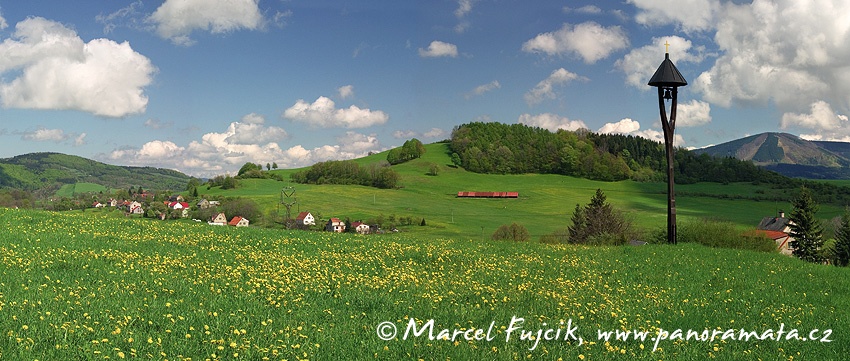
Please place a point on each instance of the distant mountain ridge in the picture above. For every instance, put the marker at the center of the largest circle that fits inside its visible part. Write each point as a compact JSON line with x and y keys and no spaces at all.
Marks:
{"x":789,"y":155}
{"x":39,"y":170}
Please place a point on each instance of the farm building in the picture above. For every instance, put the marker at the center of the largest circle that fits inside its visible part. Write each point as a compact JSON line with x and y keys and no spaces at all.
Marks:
{"x":335,"y":225}
{"x":305,"y":219}
{"x":488,"y":194}
{"x":239,"y":222}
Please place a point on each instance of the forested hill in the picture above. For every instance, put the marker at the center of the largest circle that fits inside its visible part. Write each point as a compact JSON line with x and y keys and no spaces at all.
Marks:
{"x":40,"y":170}
{"x":517,"y":148}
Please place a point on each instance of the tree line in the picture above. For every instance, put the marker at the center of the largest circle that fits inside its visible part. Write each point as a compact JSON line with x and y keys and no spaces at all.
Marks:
{"x":378,"y":175}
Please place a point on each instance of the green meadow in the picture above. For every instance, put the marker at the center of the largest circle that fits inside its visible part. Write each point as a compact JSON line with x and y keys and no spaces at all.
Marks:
{"x":69,"y":190}
{"x":92,"y":286}
{"x":544,"y":205}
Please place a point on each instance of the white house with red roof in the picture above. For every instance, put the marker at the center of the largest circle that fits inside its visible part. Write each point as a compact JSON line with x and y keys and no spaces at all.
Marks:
{"x":135,"y":208}
{"x":305,"y":219}
{"x":239,"y":222}
{"x":360,"y":227}
{"x":778,"y":229}
{"x":180,"y":206}
{"x":335,"y":225}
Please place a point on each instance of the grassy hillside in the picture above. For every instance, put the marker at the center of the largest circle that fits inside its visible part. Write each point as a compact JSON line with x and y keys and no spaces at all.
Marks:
{"x":69,"y":190}
{"x":544,"y":204}
{"x":38,"y":170}
{"x":88,"y":286}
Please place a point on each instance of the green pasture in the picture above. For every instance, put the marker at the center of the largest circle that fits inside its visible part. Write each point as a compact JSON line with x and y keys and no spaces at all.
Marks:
{"x":90,"y":286}
{"x":69,"y":190}
{"x":544,"y":205}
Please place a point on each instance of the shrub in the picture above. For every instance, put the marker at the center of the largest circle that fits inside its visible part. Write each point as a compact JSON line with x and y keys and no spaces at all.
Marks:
{"x":718,"y":234}
{"x":514,"y":232}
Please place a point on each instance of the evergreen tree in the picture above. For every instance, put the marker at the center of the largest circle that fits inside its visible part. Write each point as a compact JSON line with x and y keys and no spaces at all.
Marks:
{"x":577,"y":229}
{"x":841,"y":252}
{"x":806,"y":230}
{"x":597,"y":218}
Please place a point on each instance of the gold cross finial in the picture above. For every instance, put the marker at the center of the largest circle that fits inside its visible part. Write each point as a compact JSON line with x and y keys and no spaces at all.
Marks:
{"x":666,"y":46}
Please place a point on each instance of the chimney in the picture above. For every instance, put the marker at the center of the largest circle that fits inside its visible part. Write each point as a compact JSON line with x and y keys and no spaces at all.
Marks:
{"x":781,"y":214}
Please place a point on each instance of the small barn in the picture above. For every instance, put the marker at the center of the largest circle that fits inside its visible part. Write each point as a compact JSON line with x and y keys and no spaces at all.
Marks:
{"x":488,"y":194}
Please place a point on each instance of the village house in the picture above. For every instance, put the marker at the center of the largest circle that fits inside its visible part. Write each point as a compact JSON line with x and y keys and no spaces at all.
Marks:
{"x":335,"y":225}
{"x":180,"y":206}
{"x":135,"y":207}
{"x":305,"y":219}
{"x":203,"y":204}
{"x":360,"y":227}
{"x":98,"y":205}
{"x":239,"y":222}
{"x":218,"y":220}
{"x":778,"y":229}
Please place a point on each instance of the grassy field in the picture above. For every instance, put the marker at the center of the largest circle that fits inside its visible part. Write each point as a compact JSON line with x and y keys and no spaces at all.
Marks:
{"x":68,"y":190}
{"x":91,"y":286}
{"x":545,"y":203}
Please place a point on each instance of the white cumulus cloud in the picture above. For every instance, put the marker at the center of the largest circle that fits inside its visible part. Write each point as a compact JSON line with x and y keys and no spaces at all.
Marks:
{"x":346,"y":91}
{"x":404,"y":134}
{"x":783,"y":52}
{"x":218,"y":153}
{"x":550,"y":121}
{"x":693,"y":114}
{"x":689,"y":15}
{"x":54,"y":68}
{"x":821,"y":118}
{"x":545,"y":89}
{"x":438,"y":49}
{"x":3,"y":23}
{"x":589,"y":40}
{"x":177,"y":19}
{"x":484,"y":88}
{"x":627,"y":126}
{"x":324,"y":114}
{"x":42,"y":134}
{"x":435,"y":133}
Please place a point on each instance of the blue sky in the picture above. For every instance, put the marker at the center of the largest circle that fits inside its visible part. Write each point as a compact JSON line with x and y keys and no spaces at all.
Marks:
{"x":203,"y":86}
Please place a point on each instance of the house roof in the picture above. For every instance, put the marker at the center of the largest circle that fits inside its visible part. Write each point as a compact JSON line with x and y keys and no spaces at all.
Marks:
{"x":173,"y":204}
{"x":219,"y":214}
{"x":302,"y":215}
{"x":235,"y":220}
{"x":773,"y":224}
{"x":356,"y":224}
